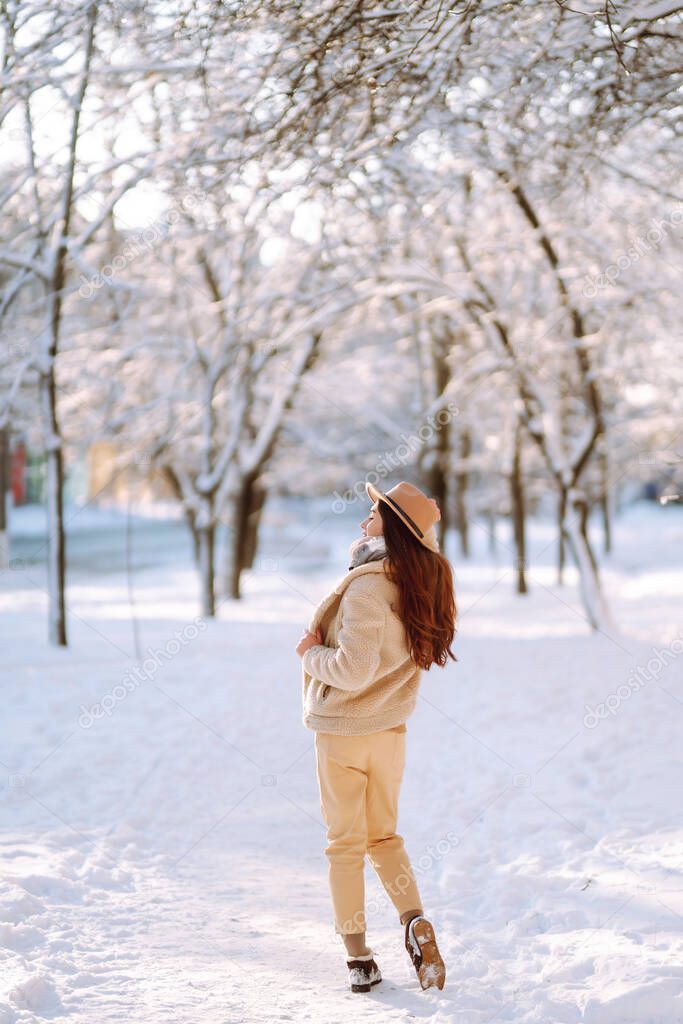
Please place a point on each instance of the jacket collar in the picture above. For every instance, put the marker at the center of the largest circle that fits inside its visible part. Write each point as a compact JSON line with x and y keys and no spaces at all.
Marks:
{"x":331,"y":599}
{"x":359,"y":570}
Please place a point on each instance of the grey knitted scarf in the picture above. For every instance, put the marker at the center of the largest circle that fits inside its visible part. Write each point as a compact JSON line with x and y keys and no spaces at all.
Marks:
{"x":366,"y":549}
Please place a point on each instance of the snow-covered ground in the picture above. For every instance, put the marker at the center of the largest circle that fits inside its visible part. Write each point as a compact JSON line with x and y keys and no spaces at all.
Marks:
{"x":163,"y":862}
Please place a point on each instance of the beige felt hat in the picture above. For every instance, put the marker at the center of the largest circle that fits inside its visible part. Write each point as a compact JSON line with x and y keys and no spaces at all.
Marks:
{"x":414,"y":508}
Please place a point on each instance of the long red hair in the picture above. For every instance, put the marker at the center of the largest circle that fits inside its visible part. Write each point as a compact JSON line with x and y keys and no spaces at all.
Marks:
{"x":426,"y":598}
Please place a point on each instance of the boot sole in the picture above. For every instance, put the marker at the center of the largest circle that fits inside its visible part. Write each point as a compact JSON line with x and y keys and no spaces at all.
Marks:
{"x":432,"y":970}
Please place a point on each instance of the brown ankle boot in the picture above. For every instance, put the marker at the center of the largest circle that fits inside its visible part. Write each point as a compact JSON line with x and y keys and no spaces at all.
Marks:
{"x":363,"y":972}
{"x":424,"y":952}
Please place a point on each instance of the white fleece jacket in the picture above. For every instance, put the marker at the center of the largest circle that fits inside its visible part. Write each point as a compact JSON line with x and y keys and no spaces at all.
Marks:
{"x":362,"y":679}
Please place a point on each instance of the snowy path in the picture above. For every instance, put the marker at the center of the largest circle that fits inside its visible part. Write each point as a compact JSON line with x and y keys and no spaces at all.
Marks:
{"x":165,"y":864}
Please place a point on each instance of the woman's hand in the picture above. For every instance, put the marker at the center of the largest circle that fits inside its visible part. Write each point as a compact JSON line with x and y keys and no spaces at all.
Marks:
{"x":308,"y":640}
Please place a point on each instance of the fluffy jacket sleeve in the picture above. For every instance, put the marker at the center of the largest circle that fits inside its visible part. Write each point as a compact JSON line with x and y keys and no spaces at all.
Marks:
{"x":353,"y":663}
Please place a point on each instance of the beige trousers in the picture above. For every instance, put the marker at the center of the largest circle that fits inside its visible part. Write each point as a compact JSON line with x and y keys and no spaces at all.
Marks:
{"x":359,"y":778}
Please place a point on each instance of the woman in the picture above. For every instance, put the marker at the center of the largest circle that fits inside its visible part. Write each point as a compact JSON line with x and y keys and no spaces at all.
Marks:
{"x":391,"y":616}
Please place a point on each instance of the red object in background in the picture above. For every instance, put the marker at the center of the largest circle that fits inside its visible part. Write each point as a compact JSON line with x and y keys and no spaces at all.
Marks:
{"x":18,"y":473}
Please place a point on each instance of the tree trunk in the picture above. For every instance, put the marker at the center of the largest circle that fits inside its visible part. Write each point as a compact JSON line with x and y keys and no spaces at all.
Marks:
{"x":171,"y":478}
{"x":246,"y":518}
{"x":582,"y":512}
{"x":206,"y":536}
{"x":4,"y":489}
{"x":190,"y":519}
{"x":441,"y":341}
{"x":245,"y":507}
{"x":437,"y":485}
{"x":589,"y":580}
{"x":242,"y":545}
{"x":256,"y":499}
{"x":561,"y":552}
{"x":493,"y":537}
{"x":605,"y":504}
{"x":575,"y":525}
{"x":56,"y":555}
{"x":56,"y":558}
{"x":518,"y":508}
{"x":238,"y":561}
{"x":461,"y":481}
